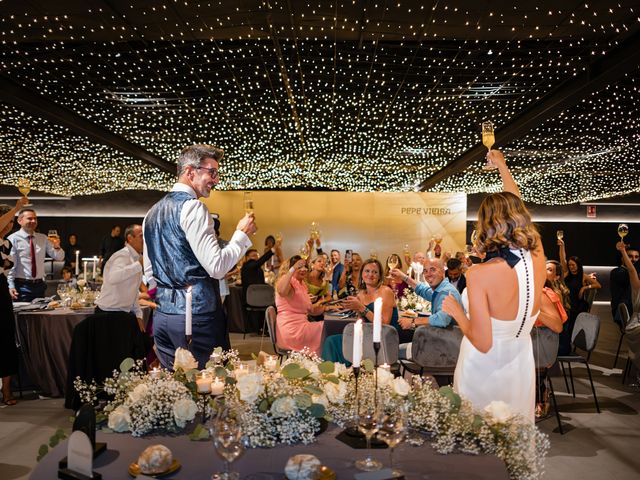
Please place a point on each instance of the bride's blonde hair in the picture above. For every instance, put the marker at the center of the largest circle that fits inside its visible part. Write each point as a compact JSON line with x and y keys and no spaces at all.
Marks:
{"x":503,"y":220}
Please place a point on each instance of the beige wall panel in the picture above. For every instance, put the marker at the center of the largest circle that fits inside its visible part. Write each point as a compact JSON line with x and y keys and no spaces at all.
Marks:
{"x":363,"y":222}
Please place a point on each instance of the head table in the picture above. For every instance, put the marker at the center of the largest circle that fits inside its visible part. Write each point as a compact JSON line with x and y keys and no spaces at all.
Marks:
{"x":199,"y":459}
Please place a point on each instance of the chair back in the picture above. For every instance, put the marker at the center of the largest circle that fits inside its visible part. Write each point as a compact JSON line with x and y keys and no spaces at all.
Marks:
{"x":586,"y":331}
{"x":545,"y":346}
{"x":389,"y":344}
{"x":623,"y":313}
{"x":260,"y":296}
{"x":436,"y":348}
{"x":590,"y":296}
{"x":270,"y":316}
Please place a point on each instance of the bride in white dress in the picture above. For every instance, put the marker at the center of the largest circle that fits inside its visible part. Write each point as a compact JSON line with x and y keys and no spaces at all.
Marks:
{"x":504,"y":295}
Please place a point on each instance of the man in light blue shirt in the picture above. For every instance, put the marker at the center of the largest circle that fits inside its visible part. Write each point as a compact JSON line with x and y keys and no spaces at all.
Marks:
{"x":26,"y":278}
{"x":435,"y":290}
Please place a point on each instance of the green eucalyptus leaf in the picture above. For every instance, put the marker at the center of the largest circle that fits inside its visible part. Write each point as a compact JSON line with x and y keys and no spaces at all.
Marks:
{"x":313,"y":390}
{"x":332,"y":379}
{"x":220,"y":372}
{"x":452,"y":396}
{"x":127,"y":364}
{"x":42,"y":451}
{"x":264,"y":406}
{"x":54,"y":441}
{"x":478,"y":421}
{"x":317,"y":410}
{"x":303,"y":400}
{"x":199,"y":433}
{"x":367,"y":363}
{"x":326,"y":367}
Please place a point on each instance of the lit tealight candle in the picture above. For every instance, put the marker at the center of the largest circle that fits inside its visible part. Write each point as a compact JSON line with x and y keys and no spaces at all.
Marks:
{"x":217,"y":386}
{"x":241,"y":370}
{"x":155,"y":373}
{"x":215,"y":358}
{"x":203,"y":382}
{"x":270,"y":363}
{"x":385,"y":366}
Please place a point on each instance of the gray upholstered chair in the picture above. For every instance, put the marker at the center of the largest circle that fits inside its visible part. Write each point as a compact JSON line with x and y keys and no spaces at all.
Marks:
{"x":623,"y":314}
{"x":270,"y":320}
{"x":389,"y":344}
{"x":434,"y":351}
{"x":584,"y":337}
{"x":545,"y":352}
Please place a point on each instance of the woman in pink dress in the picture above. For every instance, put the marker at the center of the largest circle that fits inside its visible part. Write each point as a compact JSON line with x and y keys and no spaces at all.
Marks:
{"x":293,"y":330}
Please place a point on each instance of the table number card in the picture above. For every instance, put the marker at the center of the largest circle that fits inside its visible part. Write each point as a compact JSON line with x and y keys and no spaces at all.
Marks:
{"x":79,"y":459}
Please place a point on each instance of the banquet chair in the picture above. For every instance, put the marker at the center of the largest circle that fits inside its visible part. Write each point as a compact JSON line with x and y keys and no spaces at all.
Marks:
{"x":584,"y":337}
{"x":389,"y":344}
{"x":99,"y":344}
{"x":623,"y":313}
{"x":270,"y":320}
{"x":434,"y":351}
{"x":259,"y":297}
{"x":589,"y":297}
{"x":545,"y":352}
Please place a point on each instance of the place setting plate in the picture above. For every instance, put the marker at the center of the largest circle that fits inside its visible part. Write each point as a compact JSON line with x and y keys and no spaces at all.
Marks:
{"x":134,"y":470}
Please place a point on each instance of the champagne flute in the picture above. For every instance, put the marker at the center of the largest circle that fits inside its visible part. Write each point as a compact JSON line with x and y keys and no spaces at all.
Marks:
{"x":392,"y":262}
{"x":391,"y":430}
{"x":488,"y":139}
{"x":24,"y":187}
{"x":559,"y":234}
{"x":227,"y":440}
{"x":373,"y":254}
{"x":303,"y":252}
{"x":279,"y":237}
{"x":438,"y":238}
{"x":368,"y":424}
{"x":406,"y":250}
{"x":248,"y":203}
{"x":474,"y":237}
{"x":623,"y":230}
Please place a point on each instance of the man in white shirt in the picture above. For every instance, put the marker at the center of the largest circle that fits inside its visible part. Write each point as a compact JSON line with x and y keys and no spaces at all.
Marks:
{"x":122,"y":277}
{"x":181,"y":250}
{"x":26,"y":278}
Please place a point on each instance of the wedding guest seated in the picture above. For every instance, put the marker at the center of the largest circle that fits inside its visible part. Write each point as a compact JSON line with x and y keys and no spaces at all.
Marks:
{"x":397,"y":285}
{"x":372,"y":286}
{"x":454,"y":274}
{"x":122,"y":277}
{"x":293,"y":330}
{"x":348,"y":284}
{"x":67,"y":278}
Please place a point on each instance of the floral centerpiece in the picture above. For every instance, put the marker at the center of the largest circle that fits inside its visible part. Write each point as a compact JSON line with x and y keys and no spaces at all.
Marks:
{"x":412,"y":301}
{"x":287,"y":403}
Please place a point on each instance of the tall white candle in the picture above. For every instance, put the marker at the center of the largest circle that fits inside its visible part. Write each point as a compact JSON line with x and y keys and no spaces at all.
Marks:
{"x":357,"y":344}
{"x":95,"y":263}
{"x":377,"y":320}
{"x":77,"y":262}
{"x":187,"y":317}
{"x":85,"y":270}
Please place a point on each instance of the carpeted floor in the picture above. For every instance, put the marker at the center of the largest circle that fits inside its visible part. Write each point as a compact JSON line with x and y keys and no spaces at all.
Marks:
{"x":594,"y":446}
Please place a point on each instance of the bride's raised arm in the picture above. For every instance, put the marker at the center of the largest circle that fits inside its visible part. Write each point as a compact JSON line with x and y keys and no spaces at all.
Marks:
{"x":508,"y":183}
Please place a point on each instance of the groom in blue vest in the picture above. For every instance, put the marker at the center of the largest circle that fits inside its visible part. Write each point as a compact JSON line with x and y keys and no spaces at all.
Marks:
{"x":182,"y":250}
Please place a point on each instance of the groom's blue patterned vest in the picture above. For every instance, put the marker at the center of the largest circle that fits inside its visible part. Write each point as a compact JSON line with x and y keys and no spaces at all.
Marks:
{"x":175,"y":266}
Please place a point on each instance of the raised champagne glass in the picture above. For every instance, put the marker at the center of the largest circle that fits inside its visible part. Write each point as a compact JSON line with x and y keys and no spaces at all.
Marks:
{"x":623,"y":230}
{"x":304,"y":252}
{"x":24,"y":187}
{"x":248,"y":203}
{"x":488,"y":139}
{"x":560,"y":234}
{"x":392,"y":262}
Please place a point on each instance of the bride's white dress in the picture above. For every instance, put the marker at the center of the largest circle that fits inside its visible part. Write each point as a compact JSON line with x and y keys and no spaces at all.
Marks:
{"x":507,"y":371}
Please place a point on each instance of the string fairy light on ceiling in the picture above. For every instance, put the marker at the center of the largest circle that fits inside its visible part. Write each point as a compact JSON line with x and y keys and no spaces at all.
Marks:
{"x":319,"y":94}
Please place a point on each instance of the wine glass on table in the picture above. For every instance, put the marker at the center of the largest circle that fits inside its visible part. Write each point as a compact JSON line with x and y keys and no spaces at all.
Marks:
{"x":24,"y":187}
{"x":488,"y":139}
{"x":368,"y":424}
{"x":391,"y":430}
{"x":227,"y":440}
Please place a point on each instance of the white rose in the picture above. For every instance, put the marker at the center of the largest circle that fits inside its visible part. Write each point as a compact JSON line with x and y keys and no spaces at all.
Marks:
{"x":119,"y":419}
{"x":283,"y":407}
{"x":401,"y":387}
{"x":184,"y":360}
{"x":499,"y":410}
{"x":250,"y":387}
{"x":138,"y":393}
{"x":321,"y":399}
{"x":385,"y":377}
{"x":184,"y":410}
{"x":341,"y":370}
{"x":335,"y":393}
